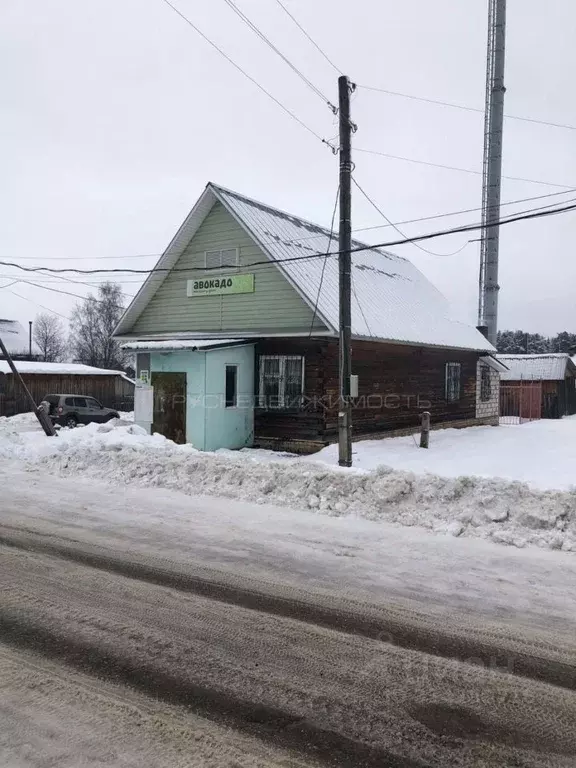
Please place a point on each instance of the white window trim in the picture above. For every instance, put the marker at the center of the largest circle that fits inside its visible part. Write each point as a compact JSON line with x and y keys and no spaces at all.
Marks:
{"x":282,"y":378}
{"x":220,"y":250}
{"x":449,"y":366}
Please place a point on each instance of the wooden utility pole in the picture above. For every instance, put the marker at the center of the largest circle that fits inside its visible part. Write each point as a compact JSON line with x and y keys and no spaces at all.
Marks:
{"x":42,"y":417}
{"x":345,"y":274}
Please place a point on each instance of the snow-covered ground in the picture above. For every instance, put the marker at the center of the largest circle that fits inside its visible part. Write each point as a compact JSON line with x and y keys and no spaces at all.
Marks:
{"x":540,"y":453}
{"x":463,"y":499}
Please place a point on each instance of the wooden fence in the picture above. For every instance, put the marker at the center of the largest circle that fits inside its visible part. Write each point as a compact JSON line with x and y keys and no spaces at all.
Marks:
{"x":112,"y":391}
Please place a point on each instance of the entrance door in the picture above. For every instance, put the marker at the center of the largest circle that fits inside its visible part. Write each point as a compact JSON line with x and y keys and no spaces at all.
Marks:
{"x":170,"y":405}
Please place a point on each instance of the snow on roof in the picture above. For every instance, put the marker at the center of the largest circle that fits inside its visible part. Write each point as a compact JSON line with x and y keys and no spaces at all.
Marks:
{"x":15,"y":337}
{"x":58,"y":369}
{"x":391,"y":299}
{"x":191,"y":344}
{"x":545,"y":367}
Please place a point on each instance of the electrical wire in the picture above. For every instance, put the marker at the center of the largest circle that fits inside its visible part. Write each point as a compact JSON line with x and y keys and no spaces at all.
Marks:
{"x":314,"y":43}
{"x":528,"y":215}
{"x":37,"y":304}
{"x":455,"y":168}
{"x":241,"y":15}
{"x":67,"y":293}
{"x":314,"y":237}
{"x":359,"y":304}
{"x":325,"y":260}
{"x":243,"y":71}
{"x":464,"y":107}
{"x":397,"y":228}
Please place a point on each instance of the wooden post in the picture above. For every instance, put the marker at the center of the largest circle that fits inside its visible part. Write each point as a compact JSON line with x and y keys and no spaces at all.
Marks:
{"x":425,"y":434}
{"x":42,"y":417}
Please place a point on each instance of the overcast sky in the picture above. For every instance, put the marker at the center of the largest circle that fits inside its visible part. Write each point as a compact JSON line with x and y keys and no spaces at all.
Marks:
{"x":114,"y":114}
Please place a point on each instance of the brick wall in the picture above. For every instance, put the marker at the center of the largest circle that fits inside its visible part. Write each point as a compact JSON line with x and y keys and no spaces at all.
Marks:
{"x":487,"y":408}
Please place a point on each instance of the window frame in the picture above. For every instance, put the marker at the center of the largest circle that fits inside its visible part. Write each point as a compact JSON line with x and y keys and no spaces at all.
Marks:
{"x":453,"y":397}
{"x":282,"y":359}
{"x":221,"y":266}
{"x":233,"y":403}
{"x":485,"y":383}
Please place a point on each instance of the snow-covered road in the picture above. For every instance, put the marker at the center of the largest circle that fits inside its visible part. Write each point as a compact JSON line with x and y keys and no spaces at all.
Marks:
{"x":338,"y":640}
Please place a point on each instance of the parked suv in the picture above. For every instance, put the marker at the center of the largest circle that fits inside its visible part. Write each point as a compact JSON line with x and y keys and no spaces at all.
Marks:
{"x":71,"y":410}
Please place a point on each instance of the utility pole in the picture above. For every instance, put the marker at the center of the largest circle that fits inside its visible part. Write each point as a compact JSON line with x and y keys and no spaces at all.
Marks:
{"x":42,"y":417}
{"x":492,"y":170}
{"x":30,"y":339}
{"x":345,"y":274}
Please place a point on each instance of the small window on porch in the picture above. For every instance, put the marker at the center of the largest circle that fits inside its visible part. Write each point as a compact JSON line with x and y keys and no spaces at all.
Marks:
{"x":231,"y":386}
{"x":453,"y":371}
{"x":223,"y":259}
{"x":281,"y":381}
{"x":485,"y":384}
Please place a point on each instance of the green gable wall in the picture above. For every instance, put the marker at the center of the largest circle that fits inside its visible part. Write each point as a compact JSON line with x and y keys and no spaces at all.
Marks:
{"x":274,"y":307}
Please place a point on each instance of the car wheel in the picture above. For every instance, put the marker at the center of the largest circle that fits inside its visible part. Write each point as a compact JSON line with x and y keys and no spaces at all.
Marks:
{"x":71,"y":422}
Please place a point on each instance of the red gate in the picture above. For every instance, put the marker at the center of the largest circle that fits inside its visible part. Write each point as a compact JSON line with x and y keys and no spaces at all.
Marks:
{"x":520,"y":401}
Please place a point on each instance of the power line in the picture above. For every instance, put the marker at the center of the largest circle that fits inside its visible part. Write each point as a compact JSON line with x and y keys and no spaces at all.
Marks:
{"x":523,"y":216}
{"x":37,"y":304}
{"x":455,"y":168}
{"x":397,"y":228}
{"x":231,"y":4}
{"x":325,"y":260}
{"x":314,"y":43}
{"x":67,"y":293}
{"x":243,"y":71}
{"x":464,"y":107}
{"x":418,"y":220}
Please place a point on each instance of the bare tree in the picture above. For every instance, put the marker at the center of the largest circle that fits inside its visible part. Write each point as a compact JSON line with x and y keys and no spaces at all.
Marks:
{"x":50,"y":337}
{"x":92,"y":324}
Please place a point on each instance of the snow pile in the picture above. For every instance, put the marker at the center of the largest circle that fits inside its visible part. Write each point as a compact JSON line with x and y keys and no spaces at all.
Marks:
{"x":504,"y":511}
{"x":541,"y":453}
{"x":22,"y":438}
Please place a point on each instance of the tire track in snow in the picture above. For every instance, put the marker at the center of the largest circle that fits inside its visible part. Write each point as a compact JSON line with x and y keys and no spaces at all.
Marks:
{"x":536,"y":658}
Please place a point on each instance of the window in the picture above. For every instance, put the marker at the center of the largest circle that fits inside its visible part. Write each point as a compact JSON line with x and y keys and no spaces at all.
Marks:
{"x":485,"y":384}
{"x":92,"y":403}
{"x":281,"y":381}
{"x":80,"y":402}
{"x":453,"y":382}
{"x":231,"y":386}
{"x":69,"y":401}
{"x":229,"y":257}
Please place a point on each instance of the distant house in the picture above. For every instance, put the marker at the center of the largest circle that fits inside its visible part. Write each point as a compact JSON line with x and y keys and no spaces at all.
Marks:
{"x":16,"y":339}
{"x":237,"y":332}
{"x":548,"y":380}
{"x":112,"y":388}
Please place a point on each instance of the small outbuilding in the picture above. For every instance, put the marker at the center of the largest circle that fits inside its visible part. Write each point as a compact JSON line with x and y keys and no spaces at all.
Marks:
{"x":112,"y":388}
{"x":538,"y":386}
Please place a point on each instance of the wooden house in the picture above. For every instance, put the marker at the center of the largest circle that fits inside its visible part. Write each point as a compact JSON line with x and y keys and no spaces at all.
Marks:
{"x":538,"y":386}
{"x":112,"y":388}
{"x":237,"y":331}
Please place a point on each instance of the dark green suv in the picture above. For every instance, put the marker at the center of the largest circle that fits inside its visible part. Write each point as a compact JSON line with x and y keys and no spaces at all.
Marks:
{"x":71,"y":410}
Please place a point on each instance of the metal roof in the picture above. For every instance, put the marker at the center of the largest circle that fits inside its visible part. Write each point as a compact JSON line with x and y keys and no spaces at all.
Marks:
{"x":57,"y":369}
{"x":391,"y":299}
{"x":15,"y":337}
{"x":182,"y":344}
{"x":544,"y":367}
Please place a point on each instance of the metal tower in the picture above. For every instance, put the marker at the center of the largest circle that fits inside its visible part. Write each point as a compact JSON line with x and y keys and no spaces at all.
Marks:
{"x":492,"y":169}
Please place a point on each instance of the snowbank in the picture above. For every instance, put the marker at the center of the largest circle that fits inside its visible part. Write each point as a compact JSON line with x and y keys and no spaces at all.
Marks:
{"x":541,"y":453}
{"x":504,"y":511}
